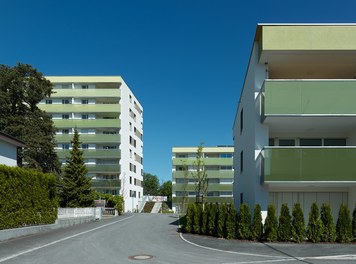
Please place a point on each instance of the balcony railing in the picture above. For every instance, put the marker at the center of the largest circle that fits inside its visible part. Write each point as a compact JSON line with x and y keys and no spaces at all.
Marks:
{"x":207,"y":161}
{"x":86,"y":93}
{"x":93,"y":153}
{"x":114,"y":168}
{"x":105,"y":183}
{"x":89,"y":138}
{"x":87,"y":123}
{"x":308,"y":97}
{"x":81,"y":108}
{"x":309,"y":164}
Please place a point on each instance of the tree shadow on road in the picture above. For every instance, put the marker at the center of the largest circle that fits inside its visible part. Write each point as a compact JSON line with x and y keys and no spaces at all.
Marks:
{"x":284,"y":253}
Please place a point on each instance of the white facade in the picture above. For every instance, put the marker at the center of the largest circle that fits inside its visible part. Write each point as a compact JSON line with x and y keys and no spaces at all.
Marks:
{"x":8,"y":150}
{"x":296,"y":109}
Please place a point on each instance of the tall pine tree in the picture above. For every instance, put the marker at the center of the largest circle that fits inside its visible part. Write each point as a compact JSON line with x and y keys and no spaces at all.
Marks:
{"x":76,"y":186}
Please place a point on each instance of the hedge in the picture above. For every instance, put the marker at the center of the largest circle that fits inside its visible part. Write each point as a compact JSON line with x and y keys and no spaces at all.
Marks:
{"x":221,"y":220}
{"x":27,"y":198}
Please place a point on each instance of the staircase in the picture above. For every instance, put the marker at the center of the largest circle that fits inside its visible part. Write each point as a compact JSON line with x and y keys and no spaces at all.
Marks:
{"x":156,"y":208}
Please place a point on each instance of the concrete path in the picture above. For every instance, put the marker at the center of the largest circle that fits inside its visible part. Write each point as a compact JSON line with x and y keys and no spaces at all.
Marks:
{"x":156,"y":208}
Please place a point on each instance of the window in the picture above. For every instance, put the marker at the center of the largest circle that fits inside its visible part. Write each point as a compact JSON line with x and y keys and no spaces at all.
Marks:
{"x":180,"y":180}
{"x":241,"y":198}
{"x":225,"y":168}
{"x":65,"y":116}
{"x":130,"y":180}
{"x":85,"y":116}
{"x":84,"y":131}
{"x":85,"y":86}
{"x":182,"y":155}
{"x":310,"y":142}
{"x":225,"y":155}
{"x":241,"y":161}
{"x":130,"y":98}
{"x":130,"y":153}
{"x":65,"y":101}
{"x":335,"y":142}
{"x":132,"y":193}
{"x":286,"y":142}
{"x":241,"y":120}
{"x":271,"y":142}
{"x":135,"y":182}
{"x":210,"y":194}
{"x":132,"y":141}
{"x":226,"y":194}
{"x":109,"y":147}
{"x":213,"y":180}
{"x":85,"y":101}
{"x":65,"y":86}
{"x":179,"y":168}
{"x":85,"y":146}
{"x":132,"y":167}
{"x":139,"y":195}
{"x":65,"y":131}
{"x":48,"y":101}
{"x":65,"y":146}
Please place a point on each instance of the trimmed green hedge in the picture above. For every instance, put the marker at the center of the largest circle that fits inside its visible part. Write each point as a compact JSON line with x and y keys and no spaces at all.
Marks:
{"x":26,"y":198}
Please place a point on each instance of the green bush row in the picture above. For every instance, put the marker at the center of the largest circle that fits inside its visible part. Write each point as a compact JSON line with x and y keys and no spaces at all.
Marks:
{"x":221,"y":220}
{"x":26,"y":198}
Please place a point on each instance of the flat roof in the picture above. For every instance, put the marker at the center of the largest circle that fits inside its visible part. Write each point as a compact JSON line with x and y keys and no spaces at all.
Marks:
{"x":11,"y":140}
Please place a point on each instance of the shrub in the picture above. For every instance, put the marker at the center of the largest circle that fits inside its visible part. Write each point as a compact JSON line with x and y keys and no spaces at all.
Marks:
{"x":284,"y":226}
{"x":231,"y":222}
{"x":328,"y":233}
{"x":197,"y":218}
{"x":221,"y":228}
{"x":257,"y":226}
{"x":298,"y":224}
{"x":190,"y":218}
{"x":244,"y":222}
{"x":354,"y":224}
{"x":204,"y":220}
{"x":343,"y":225}
{"x":212,"y":222}
{"x":315,"y":225}
{"x":271,"y":224}
{"x":27,"y":198}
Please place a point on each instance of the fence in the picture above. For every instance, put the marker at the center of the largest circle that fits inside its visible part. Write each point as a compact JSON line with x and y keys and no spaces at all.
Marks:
{"x":65,"y":213}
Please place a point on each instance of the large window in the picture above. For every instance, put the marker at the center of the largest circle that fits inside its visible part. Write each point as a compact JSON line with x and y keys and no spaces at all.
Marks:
{"x":310,"y":142}
{"x":287,"y":142}
{"x":225,"y":155}
{"x":241,"y":120}
{"x":241,"y":161}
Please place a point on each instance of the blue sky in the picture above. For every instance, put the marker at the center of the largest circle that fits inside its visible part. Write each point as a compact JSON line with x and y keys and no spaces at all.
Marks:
{"x":185,"y":60}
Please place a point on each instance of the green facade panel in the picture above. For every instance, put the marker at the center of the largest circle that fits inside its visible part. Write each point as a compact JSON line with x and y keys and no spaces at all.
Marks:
{"x":88,"y":138}
{"x":105,"y":183}
{"x":207,"y":161}
{"x":211,"y":187}
{"x":85,"y":93}
{"x":81,"y":108}
{"x":87,"y":123}
{"x":309,"y":164}
{"x":93,"y":153}
{"x":210,"y":174}
{"x":228,"y":200}
{"x":103,"y":168}
{"x":314,"y":97}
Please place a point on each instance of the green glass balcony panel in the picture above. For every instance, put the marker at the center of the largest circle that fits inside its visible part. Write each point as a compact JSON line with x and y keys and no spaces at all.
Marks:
{"x":93,"y":153}
{"x":105,"y":183}
{"x":207,"y":161}
{"x":88,"y":138}
{"x":87,"y":123}
{"x":309,"y":97}
{"x":211,"y":187}
{"x":220,"y":187}
{"x":182,"y":187}
{"x":81,"y":108}
{"x":85,"y":93}
{"x":309,"y":164}
{"x":103,"y":168}
{"x":208,"y":199}
{"x":210,"y":174}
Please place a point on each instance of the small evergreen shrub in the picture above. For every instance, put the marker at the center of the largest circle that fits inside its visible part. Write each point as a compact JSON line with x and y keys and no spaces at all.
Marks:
{"x":271,"y":224}
{"x":197,"y":218}
{"x":244,"y":222}
{"x":257,"y":226}
{"x":315,"y":225}
{"x":231,"y":222}
{"x":284,"y":226}
{"x":204,"y":220}
{"x":344,"y":225}
{"x":298,"y":224}
{"x":328,"y":233}
{"x":354,"y":224}
{"x":212,"y":222}
{"x":221,"y":228}
{"x":190,"y":218}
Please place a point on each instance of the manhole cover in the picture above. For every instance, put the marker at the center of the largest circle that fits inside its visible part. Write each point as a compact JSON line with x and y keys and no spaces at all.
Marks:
{"x":141,"y":257}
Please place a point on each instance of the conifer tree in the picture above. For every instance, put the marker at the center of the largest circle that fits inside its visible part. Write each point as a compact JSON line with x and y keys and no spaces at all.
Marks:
{"x":76,"y":186}
{"x":314,"y":224}
{"x":328,"y":233}
{"x":354,"y":224}
{"x":298,"y":224}
{"x":221,"y":228}
{"x":257,"y":226}
{"x":197,"y":218}
{"x":204,"y":221}
{"x":244,"y":222}
{"x":231,"y":222}
{"x":271,"y":224}
{"x":190,"y":218}
{"x":344,"y":225}
{"x":212,"y":222}
{"x":285,"y":225}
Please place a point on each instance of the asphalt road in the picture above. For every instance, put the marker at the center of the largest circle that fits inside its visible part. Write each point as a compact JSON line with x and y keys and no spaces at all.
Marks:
{"x":152,"y":238}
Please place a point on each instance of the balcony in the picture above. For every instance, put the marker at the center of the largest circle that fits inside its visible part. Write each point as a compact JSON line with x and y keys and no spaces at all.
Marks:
{"x":87,"y":123}
{"x":105,"y":183}
{"x":210,"y":174}
{"x":103,"y":168}
{"x":325,"y":165}
{"x":86,"y":93}
{"x":93,"y":153}
{"x":89,"y":138}
{"x":207,"y":161}
{"x":81,"y":108}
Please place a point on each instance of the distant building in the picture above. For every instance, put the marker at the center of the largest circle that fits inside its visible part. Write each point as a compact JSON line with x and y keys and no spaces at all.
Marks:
{"x":9,"y":148}
{"x":295,"y":126}
{"x":219,"y":169}
{"x":109,"y":119}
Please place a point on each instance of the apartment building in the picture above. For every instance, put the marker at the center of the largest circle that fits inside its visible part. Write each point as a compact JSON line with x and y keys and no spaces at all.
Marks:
{"x":295,"y":129}
{"x":218,"y":163}
{"x":109,"y":120}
